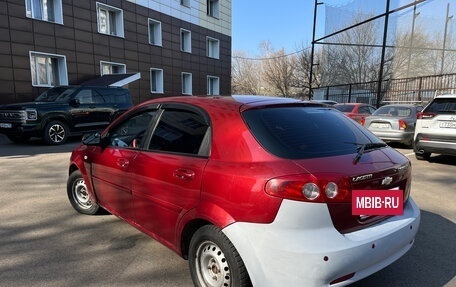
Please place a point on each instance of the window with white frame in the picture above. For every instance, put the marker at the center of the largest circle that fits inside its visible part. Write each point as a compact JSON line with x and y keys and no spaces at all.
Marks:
{"x":155,"y":32}
{"x":186,"y":41}
{"x":213,"y":8}
{"x":212,"y":47}
{"x":46,"y":10}
{"x":48,"y":70}
{"x":107,"y":68}
{"x":185,"y":3}
{"x":110,"y":20}
{"x":156,"y":81}
{"x":187,"y":84}
{"x":213,"y":85}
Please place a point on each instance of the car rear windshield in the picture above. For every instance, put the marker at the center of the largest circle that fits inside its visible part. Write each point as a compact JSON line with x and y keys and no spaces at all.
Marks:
{"x":442,"y":106}
{"x":300,"y":132}
{"x":344,"y":108}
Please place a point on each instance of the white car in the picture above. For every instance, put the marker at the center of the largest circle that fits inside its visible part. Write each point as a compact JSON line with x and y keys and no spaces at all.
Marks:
{"x":435,"y":130}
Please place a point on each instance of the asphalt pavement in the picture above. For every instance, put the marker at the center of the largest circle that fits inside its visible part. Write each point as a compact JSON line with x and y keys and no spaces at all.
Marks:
{"x":44,"y":242}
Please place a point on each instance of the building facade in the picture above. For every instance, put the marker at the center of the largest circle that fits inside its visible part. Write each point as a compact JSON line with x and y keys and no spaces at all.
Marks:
{"x":175,"y":47}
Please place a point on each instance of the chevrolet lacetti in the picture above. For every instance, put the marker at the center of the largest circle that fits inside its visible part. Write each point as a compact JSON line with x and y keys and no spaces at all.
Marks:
{"x":251,"y":190}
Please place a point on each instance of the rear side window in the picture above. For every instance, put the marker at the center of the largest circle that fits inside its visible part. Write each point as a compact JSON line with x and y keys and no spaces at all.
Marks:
{"x":180,"y":131}
{"x":442,"y":106}
{"x":115,"y":96}
{"x":306,"y":132}
{"x":344,"y":108}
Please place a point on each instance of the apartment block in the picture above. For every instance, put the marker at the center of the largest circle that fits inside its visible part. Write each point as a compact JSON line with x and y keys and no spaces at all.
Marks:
{"x":165,"y":47}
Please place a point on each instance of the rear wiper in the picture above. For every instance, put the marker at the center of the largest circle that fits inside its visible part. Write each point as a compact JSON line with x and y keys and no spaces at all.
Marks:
{"x":367,"y":146}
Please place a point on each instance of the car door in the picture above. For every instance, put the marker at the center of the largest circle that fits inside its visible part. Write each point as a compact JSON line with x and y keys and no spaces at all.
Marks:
{"x":87,"y":111}
{"x":112,"y":165}
{"x":168,"y":174}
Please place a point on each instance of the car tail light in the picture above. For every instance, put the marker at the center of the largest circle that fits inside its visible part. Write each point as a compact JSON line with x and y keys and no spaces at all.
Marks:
{"x":311,"y":188}
{"x":362,"y":121}
{"x":402,"y":125}
{"x":422,"y":115}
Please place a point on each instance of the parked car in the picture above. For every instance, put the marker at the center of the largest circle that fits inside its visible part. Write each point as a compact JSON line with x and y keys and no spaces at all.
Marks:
{"x":249,"y":189}
{"x":356,"y":111}
{"x":393,"y":123}
{"x":64,"y":111}
{"x":435,"y":130}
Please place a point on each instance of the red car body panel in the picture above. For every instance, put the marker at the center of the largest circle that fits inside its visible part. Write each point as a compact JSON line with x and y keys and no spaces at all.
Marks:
{"x":231,"y":190}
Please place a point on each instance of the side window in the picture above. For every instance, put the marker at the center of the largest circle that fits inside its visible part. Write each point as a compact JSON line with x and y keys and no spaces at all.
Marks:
{"x":131,"y":132}
{"x":371,"y":110}
{"x":85,"y":96}
{"x":179,"y":131}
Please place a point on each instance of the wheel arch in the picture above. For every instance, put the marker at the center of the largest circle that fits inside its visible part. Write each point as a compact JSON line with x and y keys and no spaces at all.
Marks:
{"x":204,"y":214}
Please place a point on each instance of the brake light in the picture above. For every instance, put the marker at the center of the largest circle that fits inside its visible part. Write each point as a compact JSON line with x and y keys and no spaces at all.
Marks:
{"x":362,"y":121}
{"x":422,"y":115}
{"x":323,"y":188}
{"x":402,"y":125}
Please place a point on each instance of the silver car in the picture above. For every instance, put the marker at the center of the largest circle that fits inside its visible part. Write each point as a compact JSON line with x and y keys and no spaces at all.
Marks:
{"x":394,"y":123}
{"x":436,"y":128}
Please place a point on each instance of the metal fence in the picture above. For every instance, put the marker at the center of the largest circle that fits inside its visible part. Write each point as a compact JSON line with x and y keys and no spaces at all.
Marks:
{"x":418,"y":90}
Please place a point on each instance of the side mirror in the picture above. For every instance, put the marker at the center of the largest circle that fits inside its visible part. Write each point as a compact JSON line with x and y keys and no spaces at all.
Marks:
{"x":75,"y":103}
{"x":92,"y":139}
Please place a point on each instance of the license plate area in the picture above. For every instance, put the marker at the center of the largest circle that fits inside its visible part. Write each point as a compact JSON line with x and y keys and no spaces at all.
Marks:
{"x":6,"y":125}
{"x":380,"y":125}
{"x":447,"y":125}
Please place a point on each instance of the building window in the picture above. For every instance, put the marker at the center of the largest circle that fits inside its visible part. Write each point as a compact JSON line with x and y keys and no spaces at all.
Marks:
{"x":213,"y":86}
{"x":156,"y":81}
{"x":107,"y":68}
{"x":186,"y":41}
{"x":155,"y":32}
{"x":46,"y":10}
{"x":110,"y":20}
{"x":48,"y":70}
{"x":212,"y":48}
{"x":186,"y":84}
{"x":185,"y":3}
{"x":213,"y":8}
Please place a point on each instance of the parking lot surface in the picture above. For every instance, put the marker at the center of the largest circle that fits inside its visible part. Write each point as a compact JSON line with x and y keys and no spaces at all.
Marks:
{"x":44,"y":242}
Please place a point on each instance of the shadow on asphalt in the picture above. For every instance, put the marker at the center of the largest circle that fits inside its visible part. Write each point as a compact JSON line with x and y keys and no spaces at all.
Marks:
{"x":34,"y":147}
{"x":430,"y":262}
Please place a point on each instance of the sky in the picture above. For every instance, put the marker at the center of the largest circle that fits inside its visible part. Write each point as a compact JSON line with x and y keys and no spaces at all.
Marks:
{"x":288,"y":24}
{"x":285,"y":24}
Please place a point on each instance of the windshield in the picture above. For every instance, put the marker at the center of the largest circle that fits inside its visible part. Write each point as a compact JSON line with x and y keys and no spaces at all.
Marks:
{"x":57,"y":94}
{"x":300,"y":132}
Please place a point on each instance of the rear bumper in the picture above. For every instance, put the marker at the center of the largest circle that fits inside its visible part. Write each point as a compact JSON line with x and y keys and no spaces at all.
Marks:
{"x":395,"y":136}
{"x":302,"y":248}
{"x":440,"y":145}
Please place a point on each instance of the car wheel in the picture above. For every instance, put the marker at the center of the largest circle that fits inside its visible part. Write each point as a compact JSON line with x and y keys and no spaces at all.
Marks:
{"x":55,"y":133}
{"x":214,"y":261}
{"x":19,"y":139}
{"x":423,"y":156}
{"x":79,"y":196}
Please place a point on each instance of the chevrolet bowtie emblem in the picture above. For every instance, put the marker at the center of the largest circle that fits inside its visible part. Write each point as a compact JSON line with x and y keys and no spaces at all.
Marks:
{"x":387,"y":180}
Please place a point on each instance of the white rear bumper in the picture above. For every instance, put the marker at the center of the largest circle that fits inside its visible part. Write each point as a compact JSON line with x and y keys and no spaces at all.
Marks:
{"x":302,"y":247}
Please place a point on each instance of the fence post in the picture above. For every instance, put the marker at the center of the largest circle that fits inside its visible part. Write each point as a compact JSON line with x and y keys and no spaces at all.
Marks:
{"x":349,"y":92}
{"x":420,"y":81}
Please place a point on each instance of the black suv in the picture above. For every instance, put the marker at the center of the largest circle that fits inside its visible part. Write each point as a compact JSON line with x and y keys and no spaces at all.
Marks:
{"x":64,"y":111}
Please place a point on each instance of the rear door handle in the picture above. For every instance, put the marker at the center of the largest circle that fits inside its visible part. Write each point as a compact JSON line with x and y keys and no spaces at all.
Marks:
{"x":184,"y":174}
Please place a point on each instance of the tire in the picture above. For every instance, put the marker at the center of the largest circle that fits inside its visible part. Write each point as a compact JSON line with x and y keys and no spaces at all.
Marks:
{"x":55,"y":133}
{"x":423,"y":156}
{"x":19,"y":139}
{"x":214,"y":261}
{"x":79,"y":196}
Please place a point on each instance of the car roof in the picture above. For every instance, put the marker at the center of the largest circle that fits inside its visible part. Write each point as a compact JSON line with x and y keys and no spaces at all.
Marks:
{"x":446,"y":96}
{"x":238,"y":102}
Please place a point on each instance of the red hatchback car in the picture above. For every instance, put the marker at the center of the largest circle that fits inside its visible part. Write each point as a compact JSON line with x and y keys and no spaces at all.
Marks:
{"x":251,"y":190}
{"x":356,"y":111}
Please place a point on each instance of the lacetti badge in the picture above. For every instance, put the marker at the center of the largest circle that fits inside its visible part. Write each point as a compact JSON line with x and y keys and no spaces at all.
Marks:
{"x":362,"y":177}
{"x":377,"y":202}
